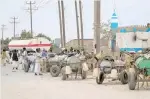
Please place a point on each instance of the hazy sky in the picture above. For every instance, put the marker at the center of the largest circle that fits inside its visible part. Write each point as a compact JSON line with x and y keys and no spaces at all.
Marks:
{"x":46,"y":20}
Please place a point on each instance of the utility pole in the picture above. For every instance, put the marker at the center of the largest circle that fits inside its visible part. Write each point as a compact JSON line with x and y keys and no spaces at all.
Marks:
{"x":81,"y":24}
{"x":2,"y":39}
{"x":14,"y":23}
{"x":97,"y":7}
{"x":31,"y":10}
{"x":63,"y":22}
{"x":60,"y":22}
{"x":77,"y":21}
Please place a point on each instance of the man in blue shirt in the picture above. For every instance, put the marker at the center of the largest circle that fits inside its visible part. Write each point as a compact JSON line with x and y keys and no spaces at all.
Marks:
{"x":44,"y":53}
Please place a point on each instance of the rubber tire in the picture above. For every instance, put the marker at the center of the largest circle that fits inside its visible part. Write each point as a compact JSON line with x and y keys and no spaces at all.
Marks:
{"x":84,"y":74}
{"x":132,"y":80}
{"x":57,"y":68}
{"x":101,"y":76}
{"x":122,"y":77}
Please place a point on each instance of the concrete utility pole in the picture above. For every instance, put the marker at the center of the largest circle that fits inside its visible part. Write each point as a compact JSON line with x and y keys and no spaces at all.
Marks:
{"x":63,"y":22}
{"x":97,"y":7}
{"x":14,"y":23}
{"x":2,"y":39}
{"x":81,"y":24}
{"x":77,"y":21}
{"x":31,"y":10}
{"x":60,"y":22}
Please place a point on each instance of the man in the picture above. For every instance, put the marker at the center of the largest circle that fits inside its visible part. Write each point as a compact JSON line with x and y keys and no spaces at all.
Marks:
{"x":71,"y":49}
{"x":24,"y":56}
{"x":10,"y":54}
{"x":15,"y":60}
{"x":4,"y":57}
{"x":43,"y":63}
{"x":44,"y":53}
{"x":37,"y":69}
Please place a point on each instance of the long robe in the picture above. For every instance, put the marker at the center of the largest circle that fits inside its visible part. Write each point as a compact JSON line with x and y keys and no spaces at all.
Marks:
{"x":15,"y":63}
{"x":37,"y":64}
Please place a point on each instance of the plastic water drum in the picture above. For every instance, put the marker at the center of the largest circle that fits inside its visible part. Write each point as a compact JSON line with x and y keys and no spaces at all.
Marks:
{"x":143,"y":62}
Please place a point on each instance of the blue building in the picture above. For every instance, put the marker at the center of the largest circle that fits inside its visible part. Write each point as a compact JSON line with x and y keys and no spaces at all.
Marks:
{"x":116,"y":29}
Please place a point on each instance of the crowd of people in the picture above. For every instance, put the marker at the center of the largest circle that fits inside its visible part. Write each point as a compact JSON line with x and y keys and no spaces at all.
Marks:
{"x":17,"y":57}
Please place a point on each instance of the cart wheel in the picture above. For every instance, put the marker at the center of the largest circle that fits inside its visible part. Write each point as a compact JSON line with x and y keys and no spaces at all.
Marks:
{"x":100,"y":78}
{"x":132,"y":80}
{"x":55,"y":71}
{"x":84,"y":74}
{"x":124,"y":77}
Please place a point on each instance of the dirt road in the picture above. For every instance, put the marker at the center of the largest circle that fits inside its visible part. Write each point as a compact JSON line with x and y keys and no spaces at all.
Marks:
{"x":20,"y":85}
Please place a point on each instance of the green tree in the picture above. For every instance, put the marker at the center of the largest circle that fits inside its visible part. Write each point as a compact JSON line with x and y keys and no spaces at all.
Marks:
{"x":6,"y":41}
{"x":26,"y":35}
{"x":42,"y":35}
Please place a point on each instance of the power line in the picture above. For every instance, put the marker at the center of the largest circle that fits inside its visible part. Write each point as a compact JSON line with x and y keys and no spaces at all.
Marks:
{"x":97,"y":21}
{"x":81,"y":23}
{"x":60,"y":23}
{"x":63,"y":22}
{"x":77,"y":23}
{"x":31,"y":9}
{"x":14,"y":23}
{"x":42,"y":1}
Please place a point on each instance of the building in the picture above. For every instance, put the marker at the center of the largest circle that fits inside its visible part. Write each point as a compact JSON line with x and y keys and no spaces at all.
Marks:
{"x":127,"y":43}
{"x":88,"y":44}
{"x":133,"y":28}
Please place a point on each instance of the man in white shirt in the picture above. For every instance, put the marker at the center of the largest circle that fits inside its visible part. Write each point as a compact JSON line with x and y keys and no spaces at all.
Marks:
{"x":24,"y":56}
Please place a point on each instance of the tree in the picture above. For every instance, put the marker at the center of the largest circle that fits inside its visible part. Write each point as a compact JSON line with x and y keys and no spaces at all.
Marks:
{"x":6,"y":41}
{"x":105,"y":30}
{"x":42,"y":35}
{"x":26,"y":35}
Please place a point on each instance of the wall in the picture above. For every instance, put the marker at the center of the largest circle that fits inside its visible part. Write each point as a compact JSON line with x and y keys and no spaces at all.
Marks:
{"x":88,"y":44}
{"x":126,"y":42}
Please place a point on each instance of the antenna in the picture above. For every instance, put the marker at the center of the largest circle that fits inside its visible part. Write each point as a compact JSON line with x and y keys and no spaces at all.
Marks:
{"x":114,"y":5}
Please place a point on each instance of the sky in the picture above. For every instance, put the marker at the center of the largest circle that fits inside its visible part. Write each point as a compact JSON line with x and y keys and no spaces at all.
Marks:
{"x":46,"y":18}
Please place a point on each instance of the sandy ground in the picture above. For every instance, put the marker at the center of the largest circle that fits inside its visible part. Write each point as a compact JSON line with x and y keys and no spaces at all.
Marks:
{"x":20,"y":85}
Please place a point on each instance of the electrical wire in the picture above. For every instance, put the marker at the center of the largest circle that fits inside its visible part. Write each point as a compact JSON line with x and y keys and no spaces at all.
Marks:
{"x":43,"y":3}
{"x":38,"y":5}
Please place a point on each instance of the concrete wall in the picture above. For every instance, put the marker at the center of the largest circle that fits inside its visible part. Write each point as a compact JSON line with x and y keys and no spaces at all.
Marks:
{"x":126,"y":42}
{"x":88,"y":44}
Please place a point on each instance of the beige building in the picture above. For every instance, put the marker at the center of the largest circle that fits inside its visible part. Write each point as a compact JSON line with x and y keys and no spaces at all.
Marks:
{"x":88,"y":44}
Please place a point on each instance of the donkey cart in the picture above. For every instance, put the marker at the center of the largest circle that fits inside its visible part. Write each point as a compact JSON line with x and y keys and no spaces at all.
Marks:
{"x":108,"y":68}
{"x":74,"y":65}
{"x":140,"y":72}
